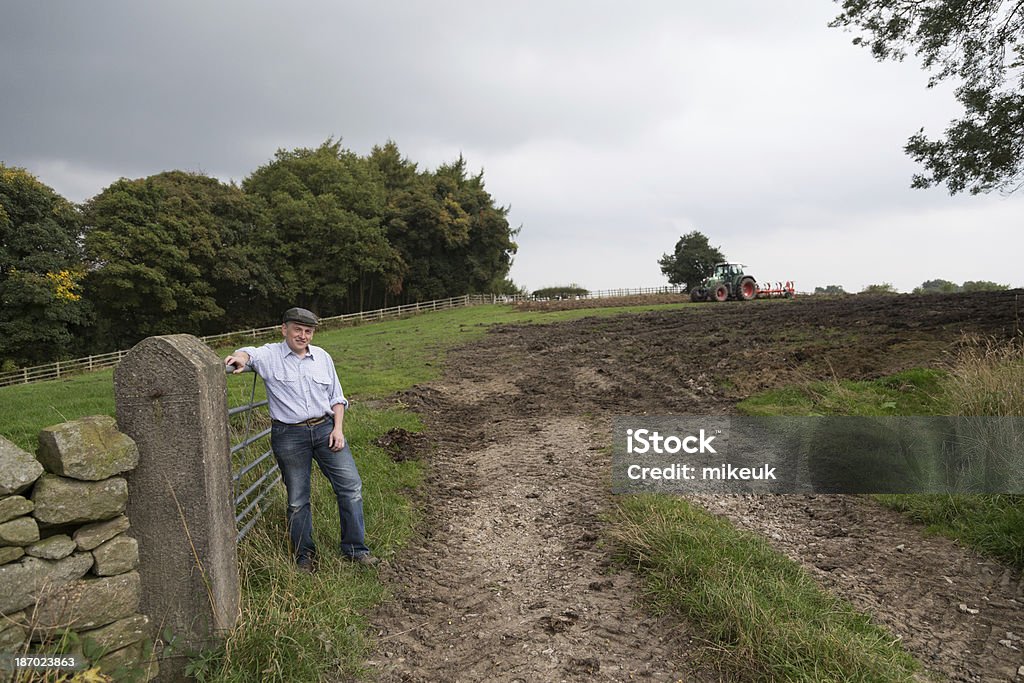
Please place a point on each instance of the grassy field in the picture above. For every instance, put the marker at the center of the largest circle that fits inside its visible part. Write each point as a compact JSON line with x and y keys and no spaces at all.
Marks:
{"x":296,"y":626}
{"x":762,"y":613}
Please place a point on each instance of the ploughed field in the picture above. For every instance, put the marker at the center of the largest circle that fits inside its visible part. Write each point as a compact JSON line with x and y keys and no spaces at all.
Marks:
{"x":510,"y":580}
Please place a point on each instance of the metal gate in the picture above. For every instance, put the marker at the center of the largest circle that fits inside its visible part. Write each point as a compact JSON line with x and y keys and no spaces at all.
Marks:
{"x":254,"y":469}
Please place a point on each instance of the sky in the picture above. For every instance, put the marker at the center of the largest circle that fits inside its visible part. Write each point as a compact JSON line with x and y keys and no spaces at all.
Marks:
{"x":609,"y":129}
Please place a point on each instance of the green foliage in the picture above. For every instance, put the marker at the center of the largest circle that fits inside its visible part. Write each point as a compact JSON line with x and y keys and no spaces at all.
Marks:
{"x":830,"y":289}
{"x":947,"y":287}
{"x":328,"y":243}
{"x":173,"y":253}
{"x":937,"y":287}
{"x":505,"y":286}
{"x":184,"y":253}
{"x":883,"y":288}
{"x":980,"y":45}
{"x":983,"y":286}
{"x":353,"y":232}
{"x":560,"y":292}
{"x":450,"y":235}
{"x":41,"y":307}
{"x":692,"y":260}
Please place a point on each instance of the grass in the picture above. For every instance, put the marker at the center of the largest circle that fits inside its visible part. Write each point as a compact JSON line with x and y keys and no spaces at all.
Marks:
{"x":762,"y":616}
{"x":912,"y":392}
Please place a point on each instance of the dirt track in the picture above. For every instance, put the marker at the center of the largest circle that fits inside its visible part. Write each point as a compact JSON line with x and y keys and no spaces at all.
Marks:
{"x":510,"y":581}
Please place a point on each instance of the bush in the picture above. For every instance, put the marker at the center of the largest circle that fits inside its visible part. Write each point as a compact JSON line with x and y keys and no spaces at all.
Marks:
{"x":564,"y":292}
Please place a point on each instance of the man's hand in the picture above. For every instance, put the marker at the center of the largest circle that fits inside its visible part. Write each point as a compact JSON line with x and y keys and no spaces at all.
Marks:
{"x":239,"y":359}
{"x":337,"y":440}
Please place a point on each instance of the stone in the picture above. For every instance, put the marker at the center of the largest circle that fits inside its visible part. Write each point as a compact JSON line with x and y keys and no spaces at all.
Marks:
{"x":87,"y":604}
{"x":90,"y":449}
{"x":170,"y":396}
{"x":14,"y":506}
{"x":11,"y":553}
{"x":21,"y":531}
{"x":134,"y":662}
{"x":60,"y":500}
{"x":13,"y":632}
{"x":20,"y":582}
{"x":52,"y":548}
{"x":18,"y":469}
{"x":91,"y":535}
{"x":119,"y":634}
{"x":117,"y":556}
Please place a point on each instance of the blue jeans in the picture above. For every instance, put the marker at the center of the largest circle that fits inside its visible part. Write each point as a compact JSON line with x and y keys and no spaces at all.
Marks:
{"x":296,"y":447}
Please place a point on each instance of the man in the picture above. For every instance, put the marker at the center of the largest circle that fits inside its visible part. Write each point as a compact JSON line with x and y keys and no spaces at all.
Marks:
{"x":307,"y":407}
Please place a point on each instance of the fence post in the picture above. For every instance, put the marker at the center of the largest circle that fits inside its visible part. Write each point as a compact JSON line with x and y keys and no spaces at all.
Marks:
{"x":171,"y":397}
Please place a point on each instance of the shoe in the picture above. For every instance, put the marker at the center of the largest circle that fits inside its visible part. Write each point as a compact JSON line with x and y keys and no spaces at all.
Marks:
{"x":366,"y":559}
{"x":307,"y":565}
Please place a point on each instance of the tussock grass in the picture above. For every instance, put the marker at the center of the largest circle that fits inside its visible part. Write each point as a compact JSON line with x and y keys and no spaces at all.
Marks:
{"x":762,"y":616}
{"x":986,"y":377}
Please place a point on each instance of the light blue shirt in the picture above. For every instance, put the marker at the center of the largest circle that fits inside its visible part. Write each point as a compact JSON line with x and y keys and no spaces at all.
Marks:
{"x":298,"y":389}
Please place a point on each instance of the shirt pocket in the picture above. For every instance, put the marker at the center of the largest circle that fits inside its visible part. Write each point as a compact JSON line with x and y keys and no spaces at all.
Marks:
{"x":289,"y":377}
{"x":321,"y":379}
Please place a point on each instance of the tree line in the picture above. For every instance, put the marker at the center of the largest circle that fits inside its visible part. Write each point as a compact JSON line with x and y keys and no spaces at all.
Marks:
{"x":694,"y":259}
{"x":176,"y":252}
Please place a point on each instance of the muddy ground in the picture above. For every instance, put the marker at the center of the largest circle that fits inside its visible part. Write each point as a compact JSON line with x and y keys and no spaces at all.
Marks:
{"x":511,"y":580}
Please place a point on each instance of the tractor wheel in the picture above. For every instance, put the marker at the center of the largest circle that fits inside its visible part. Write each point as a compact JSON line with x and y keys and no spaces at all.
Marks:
{"x":698,"y":294}
{"x":748,"y":289}
{"x":721,"y":293}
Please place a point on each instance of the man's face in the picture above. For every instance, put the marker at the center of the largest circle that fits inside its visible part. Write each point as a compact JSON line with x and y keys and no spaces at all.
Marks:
{"x":297,"y":336}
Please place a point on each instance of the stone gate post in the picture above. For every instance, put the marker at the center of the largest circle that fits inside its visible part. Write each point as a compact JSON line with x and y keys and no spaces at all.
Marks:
{"x":171,"y":398}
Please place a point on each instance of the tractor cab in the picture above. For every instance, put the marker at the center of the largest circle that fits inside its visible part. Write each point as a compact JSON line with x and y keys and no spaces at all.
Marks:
{"x":727,"y":271}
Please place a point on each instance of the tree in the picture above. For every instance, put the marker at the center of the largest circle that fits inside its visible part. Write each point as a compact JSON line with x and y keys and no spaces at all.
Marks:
{"x":937,"y":287}
{"x":174,"y":252}
{"x":830,"y":290}
{"x":693,"y":260}
{"x":568,"y":291}
{"x":883,"y":288}
{"x":326,"y":206}
{"x":980,"y":45}
{"x":983,"y":286}
{"x":41,"y":307}
{"x":452,"y":237}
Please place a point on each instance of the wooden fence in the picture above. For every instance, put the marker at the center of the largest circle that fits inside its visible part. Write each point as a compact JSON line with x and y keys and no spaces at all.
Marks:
{"x":41,"y":373}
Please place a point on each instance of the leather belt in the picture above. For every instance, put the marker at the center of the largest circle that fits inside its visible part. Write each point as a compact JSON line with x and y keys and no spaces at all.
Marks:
{"x":311,"y":422}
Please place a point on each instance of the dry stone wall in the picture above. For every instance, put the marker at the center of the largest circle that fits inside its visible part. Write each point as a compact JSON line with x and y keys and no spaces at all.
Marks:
{"x":68,"y":570}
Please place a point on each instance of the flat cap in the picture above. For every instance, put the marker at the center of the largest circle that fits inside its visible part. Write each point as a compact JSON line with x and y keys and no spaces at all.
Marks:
{"x":301,"y":316}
